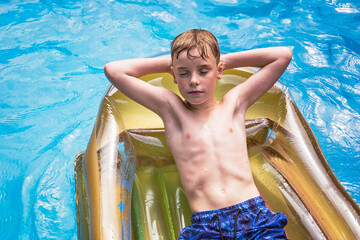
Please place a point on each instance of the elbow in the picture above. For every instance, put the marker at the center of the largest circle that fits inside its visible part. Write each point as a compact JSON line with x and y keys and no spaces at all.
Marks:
{"x":286,"y":54}
{"x":107,"y":69}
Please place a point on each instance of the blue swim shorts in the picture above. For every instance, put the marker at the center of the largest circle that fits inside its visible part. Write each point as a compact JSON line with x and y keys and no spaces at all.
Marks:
{"x":247,"y":220}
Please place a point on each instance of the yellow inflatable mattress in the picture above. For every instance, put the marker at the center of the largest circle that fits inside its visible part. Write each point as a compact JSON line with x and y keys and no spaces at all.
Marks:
{"x":127,"y":186}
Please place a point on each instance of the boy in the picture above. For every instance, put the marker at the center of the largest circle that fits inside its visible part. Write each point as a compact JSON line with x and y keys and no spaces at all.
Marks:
{"x":208,"y":138}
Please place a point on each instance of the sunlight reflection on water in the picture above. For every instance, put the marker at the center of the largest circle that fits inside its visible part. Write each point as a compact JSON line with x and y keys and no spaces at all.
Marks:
{"x":52,"y":55}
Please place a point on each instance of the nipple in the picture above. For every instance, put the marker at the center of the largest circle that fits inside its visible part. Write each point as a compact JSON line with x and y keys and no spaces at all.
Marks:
{"x":230,"y":130}
{"x":188,"y":135}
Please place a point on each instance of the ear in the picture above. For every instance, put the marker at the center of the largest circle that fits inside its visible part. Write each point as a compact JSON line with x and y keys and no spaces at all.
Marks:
{"x":220,"y":69}
{"x":173,"y":74}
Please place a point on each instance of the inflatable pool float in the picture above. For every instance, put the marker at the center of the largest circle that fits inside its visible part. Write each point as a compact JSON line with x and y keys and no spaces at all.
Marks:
{"x":127,"y":186}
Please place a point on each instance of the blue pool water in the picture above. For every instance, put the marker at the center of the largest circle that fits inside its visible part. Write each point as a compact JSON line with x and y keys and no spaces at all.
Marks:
{"x":52,"y":55}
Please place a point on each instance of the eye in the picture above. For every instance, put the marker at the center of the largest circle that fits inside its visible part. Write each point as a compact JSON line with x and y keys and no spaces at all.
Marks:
{"x":183,"y":73}
{"x":203,"y":71}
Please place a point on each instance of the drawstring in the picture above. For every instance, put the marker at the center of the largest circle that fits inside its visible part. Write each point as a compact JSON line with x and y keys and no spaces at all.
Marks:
{"x":221,"y":234}
{"x":235,"y":230}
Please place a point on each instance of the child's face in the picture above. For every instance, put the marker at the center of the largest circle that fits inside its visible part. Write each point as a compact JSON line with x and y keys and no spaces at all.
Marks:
{"x":196,"y":77}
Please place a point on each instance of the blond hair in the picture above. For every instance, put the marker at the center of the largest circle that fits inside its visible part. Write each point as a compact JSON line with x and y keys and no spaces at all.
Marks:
{"x":201,"y":39}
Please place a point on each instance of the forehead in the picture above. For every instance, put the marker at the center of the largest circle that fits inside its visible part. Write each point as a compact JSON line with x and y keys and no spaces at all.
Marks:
{"x":193,"y":58}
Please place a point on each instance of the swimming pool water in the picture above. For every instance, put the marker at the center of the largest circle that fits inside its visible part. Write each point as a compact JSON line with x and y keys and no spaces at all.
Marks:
{"x":52,"y":55}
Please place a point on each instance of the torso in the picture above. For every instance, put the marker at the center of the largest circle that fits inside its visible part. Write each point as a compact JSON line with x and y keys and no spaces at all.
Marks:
{"x":212,"y":161}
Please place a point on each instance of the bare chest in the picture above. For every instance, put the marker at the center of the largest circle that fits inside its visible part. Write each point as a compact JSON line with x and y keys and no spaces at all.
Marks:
{"x":204,"y":138}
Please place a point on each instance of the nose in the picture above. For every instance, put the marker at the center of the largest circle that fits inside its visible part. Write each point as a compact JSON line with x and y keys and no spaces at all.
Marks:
{"x":194,"y":80}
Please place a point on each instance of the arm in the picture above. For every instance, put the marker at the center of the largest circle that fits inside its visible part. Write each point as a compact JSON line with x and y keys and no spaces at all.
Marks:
{"x":272,"y":63}
{"x":124,"y":75}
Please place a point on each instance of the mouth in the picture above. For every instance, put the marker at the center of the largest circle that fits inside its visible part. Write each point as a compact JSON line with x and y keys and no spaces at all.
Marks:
{"x":195,"y":92}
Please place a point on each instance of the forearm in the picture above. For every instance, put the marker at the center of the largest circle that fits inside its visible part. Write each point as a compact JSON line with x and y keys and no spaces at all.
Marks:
{"x":272,"y":63}
{"x":137,"y":67}
{"x":257,"y":57}
{"x":124,"y":75}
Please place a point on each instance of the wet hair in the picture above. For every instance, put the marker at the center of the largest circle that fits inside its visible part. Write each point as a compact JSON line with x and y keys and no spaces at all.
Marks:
{"x":201,"y":39}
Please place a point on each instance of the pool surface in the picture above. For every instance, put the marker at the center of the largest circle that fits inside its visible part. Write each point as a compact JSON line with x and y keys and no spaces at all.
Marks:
{"x":52,"y":55}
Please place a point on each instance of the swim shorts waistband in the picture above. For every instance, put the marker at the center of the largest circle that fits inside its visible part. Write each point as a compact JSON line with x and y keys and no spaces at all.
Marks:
{"x":229,"y":212}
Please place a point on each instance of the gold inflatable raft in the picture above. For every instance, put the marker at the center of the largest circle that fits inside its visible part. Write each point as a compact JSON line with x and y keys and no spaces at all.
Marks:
{"x":127,"y":186}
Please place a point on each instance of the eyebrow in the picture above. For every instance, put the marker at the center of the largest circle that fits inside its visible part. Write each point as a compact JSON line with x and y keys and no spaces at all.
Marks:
{"x":200,"y":66}
{"x":205,"y":65}
{"x":180,"y":68}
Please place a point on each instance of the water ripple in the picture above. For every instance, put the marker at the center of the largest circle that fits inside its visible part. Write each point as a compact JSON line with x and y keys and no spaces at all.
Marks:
{"x":52,"y":55}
